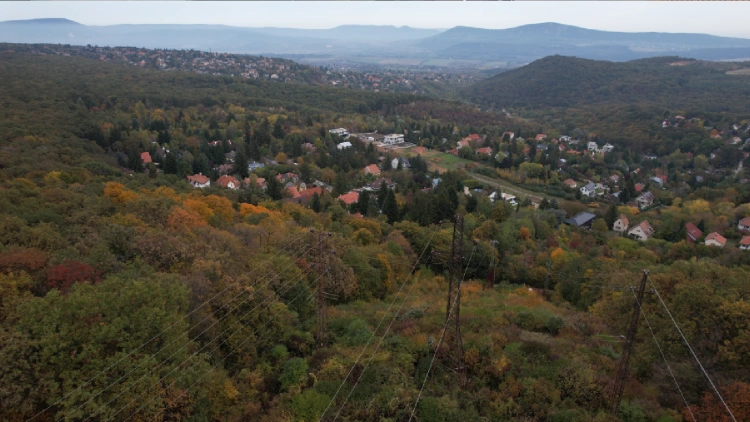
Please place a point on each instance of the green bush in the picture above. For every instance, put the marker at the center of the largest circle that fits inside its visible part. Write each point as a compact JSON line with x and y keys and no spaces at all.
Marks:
{"x":310,"y":405}
{"x":295,"y":370}
{"x":554,"y":324}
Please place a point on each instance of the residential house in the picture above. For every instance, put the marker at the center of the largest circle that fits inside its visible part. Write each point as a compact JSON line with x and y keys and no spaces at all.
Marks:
{"x":199,"y":181}
{"x":349,"y":197}
{"x":344,"y":145}
{"x":593,"y":147}
{"x":293,"y":192}
{"x":715,"y":239}
{"x":146,"y":157}
{"x":745,"y":243}
{"x":570,"y":183}
{"x":650,"y":156}
{"x":508,"y":197}
{"x":393,"y":138}
{"x":254,"y":166}
{"x":583,"y":220}
{"x":230,"y":182}
{"x":589,"y":189}
{"x":485,"y":150}
{"x":492,"y":196}
{"x":744,"y":224}
{"x":371,"y":169}
{"x":436,"y":181}
{"x":693,"y":232}
{"x":230,"y":156}
{"x":645,"y":200}
{"x":621,"y":225}
{"x":404,"y":163}
{"x":540,"y":137}
{"x":340,"y":132}
{"x":643,"y":231}
{"x":288,"y":177}
{"x":462,"y":143}
{"x":607,"y":147}
{"x":639,"y":186}
{"x":378,"y":184}
{"x":511,"y":135}
{"x":225,"y":168}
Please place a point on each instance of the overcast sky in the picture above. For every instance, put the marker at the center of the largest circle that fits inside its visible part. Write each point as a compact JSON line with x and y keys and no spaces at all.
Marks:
{"x":717,"y":18}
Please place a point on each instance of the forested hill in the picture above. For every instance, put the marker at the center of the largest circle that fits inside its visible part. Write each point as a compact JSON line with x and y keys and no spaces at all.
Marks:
{"x":672,"y":82}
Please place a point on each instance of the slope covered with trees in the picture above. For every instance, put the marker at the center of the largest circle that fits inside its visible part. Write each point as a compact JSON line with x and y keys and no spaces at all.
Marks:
{"x":127,"y":294}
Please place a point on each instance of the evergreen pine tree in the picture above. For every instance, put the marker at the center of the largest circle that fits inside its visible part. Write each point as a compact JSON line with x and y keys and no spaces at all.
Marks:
{"x":611,"y":216}
{"x":273,"y":187}
{"x":240,"y":164}
{"x":170,"y":163}
{"x":363,"y":203}
{"x":390,"y":207}
{"x":471,"y":204}
{"x":315,"y":202}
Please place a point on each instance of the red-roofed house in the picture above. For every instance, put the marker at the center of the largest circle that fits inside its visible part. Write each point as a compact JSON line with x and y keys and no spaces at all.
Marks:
{"x":474,"y":137}
{"x":693,"y":232}
{"x":230,"y":182}
{"x":745,"y":243}
{"x":293,"y":192}
{"x":146,"y":157}
{"x":199,"y":181}
{"x":621,"y":224}
{"x":643,"y":231}
{"x":462,"y":143}
{"x":540,"y":137}
{"x":485,"y":150}
{"x":715,"y":239}
{"x":639,"y":187}
{"x":349,"y":197}
{"x":570,"y":183}
{"x":744,"y":224}
{"x":371,"y":169}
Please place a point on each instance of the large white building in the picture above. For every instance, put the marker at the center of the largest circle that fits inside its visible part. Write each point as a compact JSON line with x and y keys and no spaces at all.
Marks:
{"x":340,"y":131}
{"x":393,"y":138}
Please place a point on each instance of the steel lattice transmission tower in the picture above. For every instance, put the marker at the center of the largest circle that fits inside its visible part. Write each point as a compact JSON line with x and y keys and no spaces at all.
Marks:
{"x":453,"y":311}
{"x":622,"y":369}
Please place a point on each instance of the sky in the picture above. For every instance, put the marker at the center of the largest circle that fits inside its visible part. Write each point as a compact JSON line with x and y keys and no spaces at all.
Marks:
{"x":716,"y":18}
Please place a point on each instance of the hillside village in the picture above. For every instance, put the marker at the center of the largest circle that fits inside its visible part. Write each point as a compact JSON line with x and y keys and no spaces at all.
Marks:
{"x":375,"y":79}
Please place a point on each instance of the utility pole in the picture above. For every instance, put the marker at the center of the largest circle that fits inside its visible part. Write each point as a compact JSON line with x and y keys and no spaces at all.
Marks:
{"x":622,"y":369}
{"x":453,"y":310}
{"x":491,"y":273}
{"x":321,"y":309}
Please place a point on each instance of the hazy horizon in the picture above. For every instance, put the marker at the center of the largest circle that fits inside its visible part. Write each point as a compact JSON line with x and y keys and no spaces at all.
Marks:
{"x":714,"y":18}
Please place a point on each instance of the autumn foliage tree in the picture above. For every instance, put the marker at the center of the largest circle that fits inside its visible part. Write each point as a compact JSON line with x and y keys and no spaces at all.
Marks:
{"x":63,"y":276}
{"x":737,"y":397}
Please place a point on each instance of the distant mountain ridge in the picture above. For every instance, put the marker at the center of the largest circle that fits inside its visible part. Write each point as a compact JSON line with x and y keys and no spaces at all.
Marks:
{"x":509,"y":47}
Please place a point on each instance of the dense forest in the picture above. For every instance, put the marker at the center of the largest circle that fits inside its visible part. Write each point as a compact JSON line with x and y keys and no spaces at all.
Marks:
{"x":128,"y":294}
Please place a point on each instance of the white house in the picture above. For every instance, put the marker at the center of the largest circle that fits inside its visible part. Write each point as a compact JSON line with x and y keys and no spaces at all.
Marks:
{"x":393,"y":138}
{"x":744,"y":224}
{"x":645,"y":200}
{"x":199,"y":181}
{"x":621,"y":224}
{"x":643,"y":231}
{"x":340,"y":132}
{"x":715,"y":239}
{"x":343,"y":145}
{"x":745,"y":243}
{"x":508,"y":197}
{"x":608,"y":147}
{"x":589,"y":189}
{"x":593,"y":147}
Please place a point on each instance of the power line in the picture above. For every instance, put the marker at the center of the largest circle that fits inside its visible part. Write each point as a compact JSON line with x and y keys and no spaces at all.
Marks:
{"x":664,"y":357}
{"x":372,"y":356}
{"x":154,"y":337}
{"x":379,"y":324}
{"x":196,"y":353}
{"x":176,"y":351}
{"x":716,"y":390}
{"x":224,"y":358}
{"x":437,"y":348}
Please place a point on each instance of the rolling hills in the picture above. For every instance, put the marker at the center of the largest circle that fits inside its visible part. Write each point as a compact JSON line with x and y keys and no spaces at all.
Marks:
{"x":559,"y":81}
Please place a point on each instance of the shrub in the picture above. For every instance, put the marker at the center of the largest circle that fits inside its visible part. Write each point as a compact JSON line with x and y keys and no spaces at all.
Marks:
{"x":295,"y":369}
